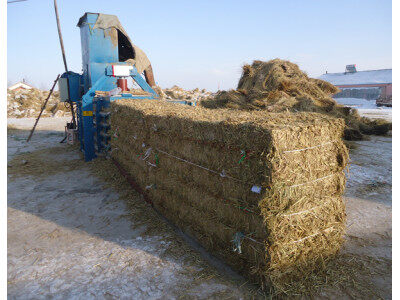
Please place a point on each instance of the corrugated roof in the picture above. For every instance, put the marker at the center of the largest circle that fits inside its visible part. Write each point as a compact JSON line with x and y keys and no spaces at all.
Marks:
{"x":360,"y":77}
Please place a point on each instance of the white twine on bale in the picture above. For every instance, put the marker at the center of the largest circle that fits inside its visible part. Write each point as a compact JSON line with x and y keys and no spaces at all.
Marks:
{"x":115,"y":134}
{"x":253,"y":240}
{"x":222,"y":174}
{"x":312,"y":235}
{"x":313,"y":147}
{"x":147,"y":154}
{"x":153,"y":185}
{"x":312,"y":181}
{"x":301,"y":212}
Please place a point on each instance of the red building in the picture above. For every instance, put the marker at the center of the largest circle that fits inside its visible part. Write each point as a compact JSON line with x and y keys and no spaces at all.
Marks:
{"x":371,"y":85}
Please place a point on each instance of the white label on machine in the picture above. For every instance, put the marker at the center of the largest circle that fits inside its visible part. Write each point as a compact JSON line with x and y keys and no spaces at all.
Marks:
{"x":118,"y":70}
{"x":256,"y":189}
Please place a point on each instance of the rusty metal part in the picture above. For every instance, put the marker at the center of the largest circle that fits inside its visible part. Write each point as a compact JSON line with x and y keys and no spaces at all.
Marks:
{"x":149,"y":76}
{"x":43,"y":107}
{"x":122,"y":83}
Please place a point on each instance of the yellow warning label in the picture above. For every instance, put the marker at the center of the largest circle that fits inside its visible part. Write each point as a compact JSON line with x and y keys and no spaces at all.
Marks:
{"x":87,"y":113}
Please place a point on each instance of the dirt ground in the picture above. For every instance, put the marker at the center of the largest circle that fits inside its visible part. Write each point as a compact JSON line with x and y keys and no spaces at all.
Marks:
{"x":71,"y":236}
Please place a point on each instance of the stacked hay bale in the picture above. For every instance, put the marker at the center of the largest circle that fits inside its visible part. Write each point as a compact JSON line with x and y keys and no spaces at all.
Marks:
{"x":264,"y":192}
{"x":278,"y":85}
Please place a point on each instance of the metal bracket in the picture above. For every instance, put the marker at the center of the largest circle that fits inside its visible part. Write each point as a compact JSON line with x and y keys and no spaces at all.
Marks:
{"x":86,"y":114}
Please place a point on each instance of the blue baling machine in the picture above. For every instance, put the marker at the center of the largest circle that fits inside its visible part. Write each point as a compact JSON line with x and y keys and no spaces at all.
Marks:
{"x":104,"y":55}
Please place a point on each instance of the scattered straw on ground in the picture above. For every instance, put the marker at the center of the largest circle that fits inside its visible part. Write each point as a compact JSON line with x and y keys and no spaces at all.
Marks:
{"x":41,"y":163}
{"x":345,"y":274}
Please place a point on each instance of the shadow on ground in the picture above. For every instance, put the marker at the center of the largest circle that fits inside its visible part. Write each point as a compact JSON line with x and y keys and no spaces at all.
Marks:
{"x":70,"y":235}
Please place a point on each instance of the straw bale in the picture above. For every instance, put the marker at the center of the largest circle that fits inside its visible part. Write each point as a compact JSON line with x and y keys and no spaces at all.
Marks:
{"x":229,"y":211}
{"x":226,"y":187}
{"x":278,"y":85}
{"x":202,"y":167}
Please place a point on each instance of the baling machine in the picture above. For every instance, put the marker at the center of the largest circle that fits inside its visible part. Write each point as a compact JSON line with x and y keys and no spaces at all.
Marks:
{"x":108,"y":59}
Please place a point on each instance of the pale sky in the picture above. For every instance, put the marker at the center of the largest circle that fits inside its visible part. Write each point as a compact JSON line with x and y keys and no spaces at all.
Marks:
{"x":204,"y":43}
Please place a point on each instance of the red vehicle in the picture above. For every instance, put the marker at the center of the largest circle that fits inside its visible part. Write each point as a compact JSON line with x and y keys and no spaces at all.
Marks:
{"x":384,"y":101}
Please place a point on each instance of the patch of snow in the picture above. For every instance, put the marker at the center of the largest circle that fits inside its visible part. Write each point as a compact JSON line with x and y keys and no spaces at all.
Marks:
{"x":357,"y":102}
{"x":367,"y":108}
{"x":370,"y":170}
{"x":379,"y":113}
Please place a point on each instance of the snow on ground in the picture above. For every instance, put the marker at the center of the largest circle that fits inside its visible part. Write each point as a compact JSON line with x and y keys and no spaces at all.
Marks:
{"x":70,"y":237}
{"x":370,"y":171}
{"x":367,"y":108}
{"x":369,"y":204}
{"x":376,"y":113}
{"x":357,"y":103}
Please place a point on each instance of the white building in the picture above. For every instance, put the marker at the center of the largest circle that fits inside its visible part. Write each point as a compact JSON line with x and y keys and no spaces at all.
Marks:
{"x":20,"y":86}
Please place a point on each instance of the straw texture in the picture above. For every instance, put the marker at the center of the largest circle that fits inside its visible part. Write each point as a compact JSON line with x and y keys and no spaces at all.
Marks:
{"x":262,"y":191}
{"x":279,"y":85}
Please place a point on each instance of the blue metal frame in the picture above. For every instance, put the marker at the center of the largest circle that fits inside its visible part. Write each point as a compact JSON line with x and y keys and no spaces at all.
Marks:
{"x":102,"y":125}
{"x":99,"y":53}
{"x":105,"y":83}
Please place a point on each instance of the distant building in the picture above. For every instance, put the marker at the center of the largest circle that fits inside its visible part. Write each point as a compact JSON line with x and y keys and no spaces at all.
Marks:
{"x":371,"y":85}
{"x":20,"y":86}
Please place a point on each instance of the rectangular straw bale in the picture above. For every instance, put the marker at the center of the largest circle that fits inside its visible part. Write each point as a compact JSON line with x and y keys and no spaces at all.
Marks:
{"x":202,"y":169}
